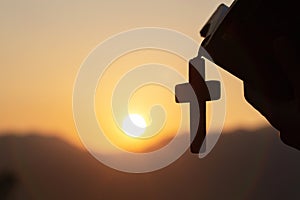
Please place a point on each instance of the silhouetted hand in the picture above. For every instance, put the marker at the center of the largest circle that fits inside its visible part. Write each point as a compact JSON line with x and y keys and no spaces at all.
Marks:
{"x":283,"y":115}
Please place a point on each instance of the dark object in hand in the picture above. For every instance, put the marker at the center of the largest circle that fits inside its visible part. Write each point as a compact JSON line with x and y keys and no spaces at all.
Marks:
{"x":258,"y":41}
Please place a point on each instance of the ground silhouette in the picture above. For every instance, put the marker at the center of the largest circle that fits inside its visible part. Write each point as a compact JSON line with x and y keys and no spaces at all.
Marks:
{"x":243,"y":165}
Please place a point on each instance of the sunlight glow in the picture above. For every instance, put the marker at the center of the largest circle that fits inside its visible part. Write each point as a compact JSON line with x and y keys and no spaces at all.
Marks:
{"x":134,"y":125}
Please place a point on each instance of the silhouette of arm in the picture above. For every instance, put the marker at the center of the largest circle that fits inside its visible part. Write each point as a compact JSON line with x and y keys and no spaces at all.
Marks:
{"x":258,"y":42}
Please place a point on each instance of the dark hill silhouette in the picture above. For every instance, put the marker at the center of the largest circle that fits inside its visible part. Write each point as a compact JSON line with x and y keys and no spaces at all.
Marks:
{"x":243,"y":165}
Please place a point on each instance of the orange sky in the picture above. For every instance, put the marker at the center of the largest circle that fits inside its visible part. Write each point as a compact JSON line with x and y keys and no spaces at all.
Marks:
{"x":44,"y":43}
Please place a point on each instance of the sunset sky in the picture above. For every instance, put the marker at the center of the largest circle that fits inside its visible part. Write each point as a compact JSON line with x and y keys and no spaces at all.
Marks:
{"x":44,"y":43}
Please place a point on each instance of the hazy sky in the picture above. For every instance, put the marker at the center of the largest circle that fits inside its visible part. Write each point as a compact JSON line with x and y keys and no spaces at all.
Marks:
{"x":43,"y":43}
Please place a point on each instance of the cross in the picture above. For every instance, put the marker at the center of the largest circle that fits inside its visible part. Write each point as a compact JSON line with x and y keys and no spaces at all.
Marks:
{"x":197,"y":92}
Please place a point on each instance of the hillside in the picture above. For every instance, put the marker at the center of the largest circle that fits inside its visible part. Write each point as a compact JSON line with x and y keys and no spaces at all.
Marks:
{"x":243,"y":165}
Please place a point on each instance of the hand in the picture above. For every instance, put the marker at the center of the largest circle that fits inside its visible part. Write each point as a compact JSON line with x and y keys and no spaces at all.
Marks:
{"x":284,"y":115}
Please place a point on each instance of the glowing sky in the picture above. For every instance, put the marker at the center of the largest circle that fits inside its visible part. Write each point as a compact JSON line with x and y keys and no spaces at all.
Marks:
{"x":43,"y":44}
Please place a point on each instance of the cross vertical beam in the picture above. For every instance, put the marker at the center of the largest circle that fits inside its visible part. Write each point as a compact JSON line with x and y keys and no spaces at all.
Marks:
{"x":197,"y":92}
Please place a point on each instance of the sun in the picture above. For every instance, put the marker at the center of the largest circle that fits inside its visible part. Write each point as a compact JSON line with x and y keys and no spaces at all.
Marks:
{"x":134,"y":125}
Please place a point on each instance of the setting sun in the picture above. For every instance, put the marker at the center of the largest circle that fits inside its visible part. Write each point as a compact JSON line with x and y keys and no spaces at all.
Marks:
{"x":134,"y":125}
